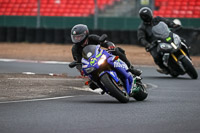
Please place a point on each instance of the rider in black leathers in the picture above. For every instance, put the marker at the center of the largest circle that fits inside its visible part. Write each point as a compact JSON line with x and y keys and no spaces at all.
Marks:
{"x":80,"y":37}
{"x":145,"y":36}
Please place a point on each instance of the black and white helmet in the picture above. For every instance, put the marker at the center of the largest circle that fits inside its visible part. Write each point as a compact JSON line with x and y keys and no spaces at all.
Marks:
{"x":79,"y":33}
{"x":146,"y":14}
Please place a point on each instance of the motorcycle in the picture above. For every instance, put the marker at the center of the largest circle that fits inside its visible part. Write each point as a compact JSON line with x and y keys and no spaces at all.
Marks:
{"x":110,"y":74}
{"x":175,"y":55}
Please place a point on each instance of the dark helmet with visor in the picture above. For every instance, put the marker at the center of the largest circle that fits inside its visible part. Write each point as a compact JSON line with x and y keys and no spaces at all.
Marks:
{"x":146,"y":14}
{"x":79,"y":33}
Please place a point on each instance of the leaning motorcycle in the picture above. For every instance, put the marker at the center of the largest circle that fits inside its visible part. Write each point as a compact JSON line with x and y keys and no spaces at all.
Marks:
{"x":110,"y":74}
{"x":175,"y":55}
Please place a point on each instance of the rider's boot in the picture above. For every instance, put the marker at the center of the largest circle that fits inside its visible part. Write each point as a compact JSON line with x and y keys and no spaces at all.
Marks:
{"x":162,"y":69}
{"x":92,"y":85}
{"x":134,"y":71}
{"x":135,"y":88}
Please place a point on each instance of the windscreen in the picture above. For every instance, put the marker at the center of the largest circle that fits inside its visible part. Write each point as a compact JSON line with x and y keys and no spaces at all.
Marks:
{"x":88,"y":51}
{"x":161,"y":30}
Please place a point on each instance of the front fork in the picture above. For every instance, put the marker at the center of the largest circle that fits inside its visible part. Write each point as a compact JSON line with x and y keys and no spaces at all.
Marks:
{"x":178,"y":60}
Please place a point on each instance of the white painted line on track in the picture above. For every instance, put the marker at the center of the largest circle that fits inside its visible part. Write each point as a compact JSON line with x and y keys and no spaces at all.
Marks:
{"x":33,"y":61}
{"x":98,"y":91}
{"x":49,"y":62}
{"x":35,"y":100}
{"x":28,"y":73}
{"x":153,"y":86}
{"x":65,"y":79}
{"x":86,"y":88}
{"x":58,"y":62}
{"x":53,"y":98}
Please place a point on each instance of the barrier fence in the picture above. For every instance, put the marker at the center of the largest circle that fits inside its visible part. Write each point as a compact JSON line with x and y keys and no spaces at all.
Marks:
{"x":62,"y":36}
{"x":104,"y":23}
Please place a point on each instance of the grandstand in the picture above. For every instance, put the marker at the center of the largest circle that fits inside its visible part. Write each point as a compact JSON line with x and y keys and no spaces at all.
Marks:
{"x":79,"y":8}
{"x":177,"y":8}
{"x":73,"y":8}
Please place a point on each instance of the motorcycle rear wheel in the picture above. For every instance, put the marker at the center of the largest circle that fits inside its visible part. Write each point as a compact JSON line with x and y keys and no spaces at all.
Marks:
{"x":113,"y":89}
{"x":142,"y":92}
{"x":174,"y":75}
{"x":190,"y":70}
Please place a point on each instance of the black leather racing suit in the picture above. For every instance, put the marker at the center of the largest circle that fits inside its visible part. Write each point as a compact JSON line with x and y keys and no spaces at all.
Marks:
{"x":145,"y":37}
{"x":94,"y":39}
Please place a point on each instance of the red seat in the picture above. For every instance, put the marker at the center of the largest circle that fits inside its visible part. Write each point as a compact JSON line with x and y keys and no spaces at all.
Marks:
{"x":192,"y":3}
{"x":188,"y":15}
{"x":19,"y":1}
{"x":7,"y":13}
{"x":179,"y":8}
{"x":20,"y":13}
{"x":196,"y":12}
{"x":190,"y":7}
{"x":55,"y":7}
{"x":26,"y":14}
{"x":171,"y":3}
{"x":198,"y":3}
{"x":184,"y":7}
{"x":2,"y":10}
{"x":174,"y":16}
{"x":168,"y":12}
{"x":195,"y":16}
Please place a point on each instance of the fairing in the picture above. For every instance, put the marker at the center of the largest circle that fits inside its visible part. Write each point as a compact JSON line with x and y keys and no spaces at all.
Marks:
{"x":92,"y":54}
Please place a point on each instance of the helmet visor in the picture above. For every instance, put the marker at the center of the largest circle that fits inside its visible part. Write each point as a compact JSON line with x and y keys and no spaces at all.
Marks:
{"x":146,"y":18}
{"x":78,"y":38}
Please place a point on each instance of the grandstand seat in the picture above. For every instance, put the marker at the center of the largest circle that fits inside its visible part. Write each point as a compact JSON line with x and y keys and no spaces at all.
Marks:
{"x":190,"y":7}
{"x":178,"y":8}
{"x":52,"y":7}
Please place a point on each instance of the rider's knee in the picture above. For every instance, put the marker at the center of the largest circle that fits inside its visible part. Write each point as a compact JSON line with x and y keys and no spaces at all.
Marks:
{"x":119,"y":50}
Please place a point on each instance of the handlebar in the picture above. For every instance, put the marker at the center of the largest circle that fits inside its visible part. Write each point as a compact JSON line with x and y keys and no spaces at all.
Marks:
{"x":176,"y":29}
{"x":103,"y":38}
{"x":73,"y":64}
{"x":153,"y":44}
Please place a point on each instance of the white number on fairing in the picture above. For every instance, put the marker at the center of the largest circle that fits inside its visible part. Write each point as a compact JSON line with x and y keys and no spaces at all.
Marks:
{"x":117,"y":64}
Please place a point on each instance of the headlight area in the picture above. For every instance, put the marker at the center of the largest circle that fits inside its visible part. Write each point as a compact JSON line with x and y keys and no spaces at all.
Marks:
{"x":102,"y":60}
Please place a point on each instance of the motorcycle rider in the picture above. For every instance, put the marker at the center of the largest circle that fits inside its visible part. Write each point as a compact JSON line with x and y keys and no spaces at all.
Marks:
{"x":80,"y":37}
{"x":145,"y":36}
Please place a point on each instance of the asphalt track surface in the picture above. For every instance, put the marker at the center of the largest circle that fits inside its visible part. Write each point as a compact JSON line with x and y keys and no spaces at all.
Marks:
{"x":173,"y":105}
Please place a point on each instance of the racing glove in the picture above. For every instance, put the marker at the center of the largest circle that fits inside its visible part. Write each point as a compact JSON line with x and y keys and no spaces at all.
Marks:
{"x":176,"y":26}
{"x":147,"y":47}
{"x":82,"y":73}
{"x":111,"y":47}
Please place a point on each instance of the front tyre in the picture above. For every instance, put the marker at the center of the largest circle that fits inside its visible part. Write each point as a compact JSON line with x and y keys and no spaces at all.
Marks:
{"x":113,"y":89}
{"x":190,"y":70}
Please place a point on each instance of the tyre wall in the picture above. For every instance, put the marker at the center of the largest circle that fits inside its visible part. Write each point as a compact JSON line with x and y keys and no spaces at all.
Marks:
{"x":62,"y":36}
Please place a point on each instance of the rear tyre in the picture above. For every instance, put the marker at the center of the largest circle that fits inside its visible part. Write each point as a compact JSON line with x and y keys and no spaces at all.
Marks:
{"x":113,"y":89}
{"x":174,"y":75}
{"x":141,"y":94}
{"x":190,"y":70}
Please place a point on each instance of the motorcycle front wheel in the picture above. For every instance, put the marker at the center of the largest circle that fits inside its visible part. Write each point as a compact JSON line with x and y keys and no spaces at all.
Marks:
{"x":190,"y":70}
{"x":113,"y":89}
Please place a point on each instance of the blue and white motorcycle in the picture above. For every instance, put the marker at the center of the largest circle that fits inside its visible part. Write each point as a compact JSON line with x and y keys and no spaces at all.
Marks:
{"x":111,"y":74}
